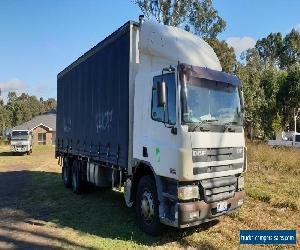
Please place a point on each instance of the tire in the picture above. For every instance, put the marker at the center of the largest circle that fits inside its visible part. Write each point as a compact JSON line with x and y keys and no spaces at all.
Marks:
{"x":67,"y":172}
{"x":147,"y":210}
{"x":77,"y":183}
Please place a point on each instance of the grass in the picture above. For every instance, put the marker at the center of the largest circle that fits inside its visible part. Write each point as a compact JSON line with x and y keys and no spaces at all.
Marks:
{"x":275,"y":176}
{"x":99,"y":219}
{"x":42,"y":158}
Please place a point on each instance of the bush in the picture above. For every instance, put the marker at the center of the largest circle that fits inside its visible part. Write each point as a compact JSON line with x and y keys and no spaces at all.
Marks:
{"x":4,"y":142}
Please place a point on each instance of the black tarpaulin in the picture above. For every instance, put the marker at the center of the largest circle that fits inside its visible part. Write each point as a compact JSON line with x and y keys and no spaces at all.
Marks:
{"x":93,"y":102}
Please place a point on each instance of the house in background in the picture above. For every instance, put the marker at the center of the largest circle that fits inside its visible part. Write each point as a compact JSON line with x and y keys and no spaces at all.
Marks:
{"x":43,"y":128}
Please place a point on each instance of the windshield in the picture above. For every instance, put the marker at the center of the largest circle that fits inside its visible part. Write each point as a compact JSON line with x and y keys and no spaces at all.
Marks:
{"x":19,"y":135}
{"x":206,"y":101}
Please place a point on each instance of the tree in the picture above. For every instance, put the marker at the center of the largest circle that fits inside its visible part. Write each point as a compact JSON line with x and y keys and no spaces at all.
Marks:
{"x":270,"y":83}
{"x":4,"y":117}
{"x":168,"y":12}
{"x":225,"y":54}
{"x":279,"y":51}
{"x":22,"y":108}
{"x":288,"y":94}
{"x":270,"y":49}
{"x":204,"y":19}
{"x":197,"y":16}
{"x":254,"y":98}
{"x":49,"y":104}
{"x":291,"y":49}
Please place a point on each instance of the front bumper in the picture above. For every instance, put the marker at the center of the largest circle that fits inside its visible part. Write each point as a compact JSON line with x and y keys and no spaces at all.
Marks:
{"x":21,"y":149}
{"x":202,"y":212}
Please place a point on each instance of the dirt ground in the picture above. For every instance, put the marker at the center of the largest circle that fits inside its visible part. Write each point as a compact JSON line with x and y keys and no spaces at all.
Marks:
{"x":18,"y":230}
{"x":37,"y":212}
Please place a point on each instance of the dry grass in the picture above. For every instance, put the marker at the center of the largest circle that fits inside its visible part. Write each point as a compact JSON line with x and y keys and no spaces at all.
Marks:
{"x":275,"y":176}
{"x":99,"y":219}
{"x":41,"y":159}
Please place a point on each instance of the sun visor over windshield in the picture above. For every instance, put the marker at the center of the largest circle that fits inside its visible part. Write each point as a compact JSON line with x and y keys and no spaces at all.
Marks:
{"x":209,"y":74}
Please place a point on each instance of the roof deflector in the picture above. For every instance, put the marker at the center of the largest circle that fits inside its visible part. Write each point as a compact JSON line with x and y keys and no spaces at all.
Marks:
{"x":209,"y":74}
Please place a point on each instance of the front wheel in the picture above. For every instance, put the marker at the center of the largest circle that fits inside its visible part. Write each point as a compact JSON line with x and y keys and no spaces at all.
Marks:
{"x":147,"y":210}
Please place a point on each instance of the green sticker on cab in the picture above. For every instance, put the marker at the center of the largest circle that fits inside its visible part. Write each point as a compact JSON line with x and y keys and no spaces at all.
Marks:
{"x":157,"y":153}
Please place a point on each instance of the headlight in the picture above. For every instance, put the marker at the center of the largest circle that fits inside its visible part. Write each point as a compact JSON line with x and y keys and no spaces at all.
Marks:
{"x":188,"y":192}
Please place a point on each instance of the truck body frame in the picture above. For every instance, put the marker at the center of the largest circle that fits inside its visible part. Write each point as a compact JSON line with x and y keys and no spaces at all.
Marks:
{"x":108,"y":132}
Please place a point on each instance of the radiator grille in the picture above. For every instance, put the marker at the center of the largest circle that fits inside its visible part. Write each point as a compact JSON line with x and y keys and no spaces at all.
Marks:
{"x":218,"y":189}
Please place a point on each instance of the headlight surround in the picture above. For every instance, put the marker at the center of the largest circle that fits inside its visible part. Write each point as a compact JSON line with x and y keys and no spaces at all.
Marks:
{"x":188,"y":192}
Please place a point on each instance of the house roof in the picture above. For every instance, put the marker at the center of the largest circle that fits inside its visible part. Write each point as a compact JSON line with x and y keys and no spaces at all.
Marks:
{"x":47,"y":120}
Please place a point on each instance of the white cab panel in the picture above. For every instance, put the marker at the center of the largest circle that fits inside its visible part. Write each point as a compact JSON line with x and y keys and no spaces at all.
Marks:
{"x":176,"y":45}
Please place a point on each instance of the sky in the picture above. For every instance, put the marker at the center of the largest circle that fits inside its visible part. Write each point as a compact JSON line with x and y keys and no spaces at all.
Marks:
{"x":38,"y":39}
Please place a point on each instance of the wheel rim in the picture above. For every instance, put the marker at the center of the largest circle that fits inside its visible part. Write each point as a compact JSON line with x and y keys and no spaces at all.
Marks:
{"x":147,"y":206}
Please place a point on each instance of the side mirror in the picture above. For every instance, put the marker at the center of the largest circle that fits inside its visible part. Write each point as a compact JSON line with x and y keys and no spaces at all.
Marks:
{"x":161,"y":94}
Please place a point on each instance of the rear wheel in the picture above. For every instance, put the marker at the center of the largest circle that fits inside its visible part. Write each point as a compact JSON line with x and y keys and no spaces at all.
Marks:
{"x":67,"y":172}
{"x":77,"y":183}
{"x":147,"y":210}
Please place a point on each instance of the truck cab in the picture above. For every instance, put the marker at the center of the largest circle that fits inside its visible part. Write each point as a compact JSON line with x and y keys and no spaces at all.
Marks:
{"x":190,"y":134}
{"x":188,"y":128}
{"x":21,"y":142}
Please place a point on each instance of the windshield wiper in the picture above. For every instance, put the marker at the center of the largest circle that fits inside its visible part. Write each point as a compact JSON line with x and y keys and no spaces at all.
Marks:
{"x":199,"y":125}
{"x":231,"y":123}
{"x":228,"y":124}
{"x":211,"y":120}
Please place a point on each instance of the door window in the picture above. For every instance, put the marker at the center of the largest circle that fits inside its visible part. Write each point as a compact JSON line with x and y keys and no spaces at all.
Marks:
{"x":157,"y":113}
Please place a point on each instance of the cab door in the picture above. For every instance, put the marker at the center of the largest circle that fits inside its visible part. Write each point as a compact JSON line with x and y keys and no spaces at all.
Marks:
{"x":161,"y":133}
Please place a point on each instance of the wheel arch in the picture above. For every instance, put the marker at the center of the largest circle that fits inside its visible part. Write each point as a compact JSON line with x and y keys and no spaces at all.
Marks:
{"x":143,"y":169}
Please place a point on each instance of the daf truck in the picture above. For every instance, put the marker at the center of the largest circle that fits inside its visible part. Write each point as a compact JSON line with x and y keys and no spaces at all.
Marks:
{"x":148,"y":109}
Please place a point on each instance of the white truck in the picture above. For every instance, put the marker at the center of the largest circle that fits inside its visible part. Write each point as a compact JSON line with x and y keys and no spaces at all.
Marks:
{"x":149,"y":109}
{"x":294,"y":141}
{"x":21,"y":142}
